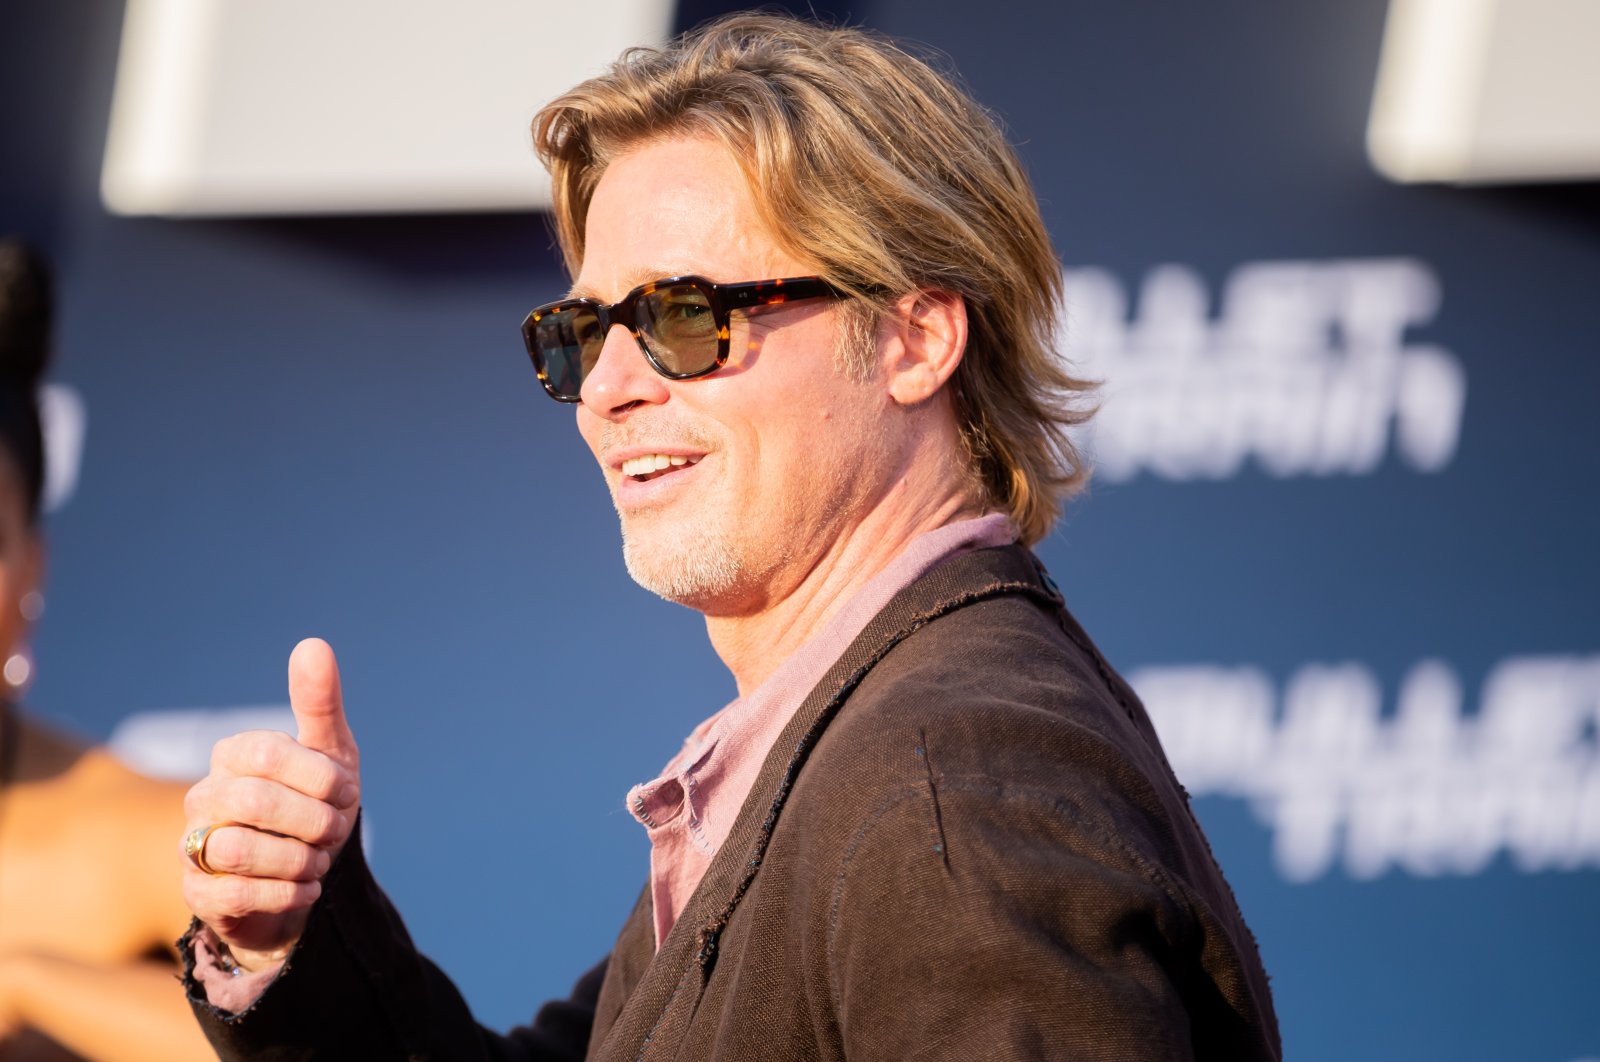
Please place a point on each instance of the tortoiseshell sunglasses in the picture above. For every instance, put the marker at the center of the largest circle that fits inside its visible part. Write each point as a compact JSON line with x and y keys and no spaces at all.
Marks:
{"x":681,"y":324}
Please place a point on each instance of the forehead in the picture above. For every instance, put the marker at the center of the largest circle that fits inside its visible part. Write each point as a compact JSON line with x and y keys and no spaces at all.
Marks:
{"x":676,"y":206}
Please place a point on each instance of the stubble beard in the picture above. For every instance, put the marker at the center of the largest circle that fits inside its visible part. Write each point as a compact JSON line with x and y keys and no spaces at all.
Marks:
{"x":690,"y":569}
{"x":690,"y":559}
{"x":704,"y":560}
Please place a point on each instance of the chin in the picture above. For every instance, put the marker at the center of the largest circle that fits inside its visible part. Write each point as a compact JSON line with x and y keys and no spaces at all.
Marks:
{"x":698,"y":576}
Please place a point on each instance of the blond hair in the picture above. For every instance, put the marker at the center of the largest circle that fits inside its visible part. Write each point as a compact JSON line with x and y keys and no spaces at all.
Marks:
{"x":868,"y":162}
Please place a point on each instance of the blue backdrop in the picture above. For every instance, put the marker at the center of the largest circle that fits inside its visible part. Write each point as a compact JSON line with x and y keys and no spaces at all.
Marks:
{"x":1344,"y":543}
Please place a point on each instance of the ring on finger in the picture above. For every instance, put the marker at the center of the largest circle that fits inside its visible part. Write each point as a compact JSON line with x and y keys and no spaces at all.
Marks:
{"x":194,"y":845}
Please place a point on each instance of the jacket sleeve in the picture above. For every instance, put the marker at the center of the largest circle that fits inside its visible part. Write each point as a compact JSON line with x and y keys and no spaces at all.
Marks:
{"x":980,"y":920}
{"x":356,"y":987}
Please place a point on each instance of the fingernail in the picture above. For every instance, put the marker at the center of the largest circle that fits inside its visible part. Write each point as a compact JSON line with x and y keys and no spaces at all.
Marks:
{"x":324,"y":861}
{"x":348,"y":794}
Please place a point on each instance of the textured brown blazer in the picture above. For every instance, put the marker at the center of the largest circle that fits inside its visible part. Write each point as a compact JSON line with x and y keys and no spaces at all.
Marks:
{"x":967,"y":844}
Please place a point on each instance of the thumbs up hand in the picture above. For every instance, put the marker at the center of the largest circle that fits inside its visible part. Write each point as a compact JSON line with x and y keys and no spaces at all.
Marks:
{"x":268,"y":821}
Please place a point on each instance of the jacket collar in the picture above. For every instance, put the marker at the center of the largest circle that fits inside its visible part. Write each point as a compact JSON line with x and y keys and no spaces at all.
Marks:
{"x":685,"y":959}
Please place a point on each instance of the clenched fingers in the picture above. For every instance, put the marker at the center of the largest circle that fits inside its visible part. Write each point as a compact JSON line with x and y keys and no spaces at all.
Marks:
{"x":275,"y":755}
{"x":268,"y":805}
{"x":253,"y":854}
{"x":223,"y":901}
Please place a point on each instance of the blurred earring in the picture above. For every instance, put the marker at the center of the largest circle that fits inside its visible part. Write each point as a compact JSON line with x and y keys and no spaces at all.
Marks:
{"x":19,"y":668}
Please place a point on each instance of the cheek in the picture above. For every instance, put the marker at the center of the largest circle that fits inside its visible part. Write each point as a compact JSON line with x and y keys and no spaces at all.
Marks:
{"x":805,"y":451}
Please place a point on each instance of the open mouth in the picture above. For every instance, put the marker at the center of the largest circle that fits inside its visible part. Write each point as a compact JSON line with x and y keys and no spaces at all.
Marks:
{"x":646,"y":467}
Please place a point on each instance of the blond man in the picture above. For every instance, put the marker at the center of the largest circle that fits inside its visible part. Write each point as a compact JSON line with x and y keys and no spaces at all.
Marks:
{"x":808,"y":342}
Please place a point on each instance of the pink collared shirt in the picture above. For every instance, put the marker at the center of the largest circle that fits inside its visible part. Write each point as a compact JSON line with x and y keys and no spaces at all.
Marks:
{"x":690,"y":808}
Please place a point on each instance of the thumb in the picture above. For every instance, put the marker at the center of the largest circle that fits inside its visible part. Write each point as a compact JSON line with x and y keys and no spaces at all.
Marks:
{"x":318,"y":705}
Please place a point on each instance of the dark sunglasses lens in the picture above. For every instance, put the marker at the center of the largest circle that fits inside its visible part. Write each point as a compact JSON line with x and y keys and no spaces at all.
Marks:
{"x":677,"y":324}
{"x":569,"y":342}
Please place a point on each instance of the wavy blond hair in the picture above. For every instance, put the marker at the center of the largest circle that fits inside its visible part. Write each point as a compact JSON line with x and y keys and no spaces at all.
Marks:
{"x":872,"y":164}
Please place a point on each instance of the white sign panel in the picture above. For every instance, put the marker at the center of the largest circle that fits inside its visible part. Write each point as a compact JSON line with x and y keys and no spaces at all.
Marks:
{"x":240,"y":107}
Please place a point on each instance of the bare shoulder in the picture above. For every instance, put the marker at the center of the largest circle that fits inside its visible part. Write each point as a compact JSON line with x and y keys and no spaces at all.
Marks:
{"x":132,"y":808}
{"x":70,"y":768}
{"x":90,"y":849}
{"x":79,"y":792}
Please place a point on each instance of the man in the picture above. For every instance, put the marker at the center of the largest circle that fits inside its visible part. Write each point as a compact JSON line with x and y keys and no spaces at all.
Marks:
{"x":808,"y":341}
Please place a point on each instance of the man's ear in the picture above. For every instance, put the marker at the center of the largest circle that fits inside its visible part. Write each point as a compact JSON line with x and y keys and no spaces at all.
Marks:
{"x":927,"y":337}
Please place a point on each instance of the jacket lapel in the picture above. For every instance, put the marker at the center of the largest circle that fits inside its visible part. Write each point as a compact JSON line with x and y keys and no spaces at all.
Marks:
{"x":652,"y":1014}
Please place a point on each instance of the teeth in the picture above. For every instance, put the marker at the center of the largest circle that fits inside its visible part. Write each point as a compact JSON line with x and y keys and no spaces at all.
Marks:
{"x":645,"y":464}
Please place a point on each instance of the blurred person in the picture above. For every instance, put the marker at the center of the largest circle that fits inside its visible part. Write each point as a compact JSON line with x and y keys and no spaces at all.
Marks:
{"x":809,"y":342}
{"x":87,"y":906}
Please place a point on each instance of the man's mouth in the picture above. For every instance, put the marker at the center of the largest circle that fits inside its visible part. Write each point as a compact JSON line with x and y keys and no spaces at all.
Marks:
{"x":652,"y":466}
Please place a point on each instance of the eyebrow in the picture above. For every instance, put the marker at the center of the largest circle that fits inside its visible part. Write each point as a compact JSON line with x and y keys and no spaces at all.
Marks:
{"x":633,"y":279}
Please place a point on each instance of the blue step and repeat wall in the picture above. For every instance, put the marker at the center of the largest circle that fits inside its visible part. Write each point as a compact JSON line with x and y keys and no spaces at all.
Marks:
{"x":1342,"y":537}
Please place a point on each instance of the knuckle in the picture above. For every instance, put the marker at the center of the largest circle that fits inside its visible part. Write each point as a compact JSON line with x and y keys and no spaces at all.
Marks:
{"x":330,"y":825}
{"x":222,"y":752}
{"x":264,"y":756}
{"x":195,"y":800}
{"x":282,"y":896}
{"x":236,"y":897}
{"x":229,"y":850}
{"x":202,"y":901}
{"x":286,"y":897}
{"x":330,"y":779}
{"x":308,"y":863}
{"x":253,"y":801}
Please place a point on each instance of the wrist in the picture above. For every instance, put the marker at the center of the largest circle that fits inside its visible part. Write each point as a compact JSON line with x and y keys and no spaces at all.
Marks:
{"x":240,"y":961}
{"x":231,"y":979}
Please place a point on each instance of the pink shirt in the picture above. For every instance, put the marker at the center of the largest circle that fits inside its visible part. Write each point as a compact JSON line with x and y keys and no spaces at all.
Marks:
{"x":690,"y":808}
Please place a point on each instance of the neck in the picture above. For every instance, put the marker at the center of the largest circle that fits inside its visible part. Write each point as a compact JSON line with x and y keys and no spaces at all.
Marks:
{"x":753,"y":643}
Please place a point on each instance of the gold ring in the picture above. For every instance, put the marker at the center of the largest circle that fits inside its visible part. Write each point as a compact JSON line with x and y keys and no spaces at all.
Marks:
{"x":194,"y":845}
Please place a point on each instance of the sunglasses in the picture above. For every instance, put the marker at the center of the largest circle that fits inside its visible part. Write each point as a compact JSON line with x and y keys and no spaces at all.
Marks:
{"x":680,"y":323}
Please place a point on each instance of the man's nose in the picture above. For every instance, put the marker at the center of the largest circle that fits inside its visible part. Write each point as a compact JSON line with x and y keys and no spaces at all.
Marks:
{"x":621,"y":378}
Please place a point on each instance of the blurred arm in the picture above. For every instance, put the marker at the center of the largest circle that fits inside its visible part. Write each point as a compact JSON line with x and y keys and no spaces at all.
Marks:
{"x":131,"y":1013}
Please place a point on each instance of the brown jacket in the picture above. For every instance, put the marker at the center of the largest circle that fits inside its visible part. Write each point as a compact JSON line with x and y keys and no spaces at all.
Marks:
{"x":967,"y":844}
